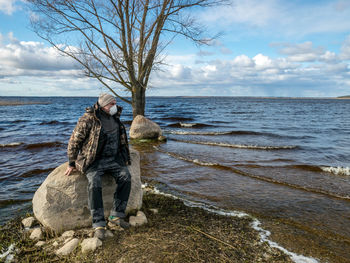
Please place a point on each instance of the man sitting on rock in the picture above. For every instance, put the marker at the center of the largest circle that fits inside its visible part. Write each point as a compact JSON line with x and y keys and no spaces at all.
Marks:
{"x":99,"y":145}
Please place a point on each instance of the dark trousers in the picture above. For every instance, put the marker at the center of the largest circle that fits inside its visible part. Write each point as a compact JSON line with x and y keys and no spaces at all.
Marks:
{"x":121,"y":195}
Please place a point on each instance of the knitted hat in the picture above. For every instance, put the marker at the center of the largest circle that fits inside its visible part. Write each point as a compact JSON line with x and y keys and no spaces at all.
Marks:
{"x":105,"y":99}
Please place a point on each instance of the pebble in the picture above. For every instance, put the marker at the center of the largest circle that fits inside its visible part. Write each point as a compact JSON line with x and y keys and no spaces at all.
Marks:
{"x":55,"y":244}
{"x":154,"y":210}
{"x":36,"y":234}
{"x":90,"y":244}
{"x":138,"y":220}
{"x":69,"y":233}
{"x":68,"y":248}
{"x":28,"y":222}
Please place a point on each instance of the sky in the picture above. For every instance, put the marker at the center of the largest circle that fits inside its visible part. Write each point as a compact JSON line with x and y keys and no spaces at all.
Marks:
{"x":280,"y":48}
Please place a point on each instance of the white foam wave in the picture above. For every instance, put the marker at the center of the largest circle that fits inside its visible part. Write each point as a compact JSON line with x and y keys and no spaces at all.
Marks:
{"x":264,"y":234}
{"x":337,"y":170}
{"x":242,"y":146}
{"x":197,"y":133}
{"x":13,"y":144}
{"x":187,"y":125}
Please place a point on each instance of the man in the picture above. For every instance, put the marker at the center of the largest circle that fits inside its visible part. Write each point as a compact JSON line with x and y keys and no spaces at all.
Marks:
{"x":99,"y":145}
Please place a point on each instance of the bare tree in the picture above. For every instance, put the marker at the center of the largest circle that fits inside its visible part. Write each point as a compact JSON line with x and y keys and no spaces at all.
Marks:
{"x":118,"y":42}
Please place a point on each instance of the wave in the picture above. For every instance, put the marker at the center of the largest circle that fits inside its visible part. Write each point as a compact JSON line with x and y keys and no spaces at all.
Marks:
{"x":54,"y":122}
{"x":11,"y":145}
{"x":257,"y":177}
{"x":189,"y":125}
{"x":36,"y":172}
{"x":43,"y":145}
{"x":241,"y":146}
{"x":19,"y":121}
{"x":176,"y":118}
{"x":337,"y":170}
{"x":222,"y":133}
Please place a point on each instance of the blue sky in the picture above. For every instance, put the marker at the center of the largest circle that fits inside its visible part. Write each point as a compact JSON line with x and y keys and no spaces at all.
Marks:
{"x":267,"y":48}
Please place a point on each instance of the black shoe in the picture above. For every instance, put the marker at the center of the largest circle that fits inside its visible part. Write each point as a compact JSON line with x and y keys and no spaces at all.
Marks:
{"x":100,"y":232}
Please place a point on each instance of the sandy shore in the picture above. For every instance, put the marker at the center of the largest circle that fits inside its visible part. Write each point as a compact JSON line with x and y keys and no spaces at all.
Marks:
{"x":177,"y":233}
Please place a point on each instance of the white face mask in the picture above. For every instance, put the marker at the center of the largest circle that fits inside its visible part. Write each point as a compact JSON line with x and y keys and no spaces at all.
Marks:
{"x":113,"y":110}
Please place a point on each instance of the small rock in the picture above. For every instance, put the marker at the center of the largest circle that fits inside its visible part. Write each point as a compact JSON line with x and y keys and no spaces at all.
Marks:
{"x":28,"y":222}
{"x":55,"y":244}
{"x":40,"y":243}
{"x":68,"y":248}
{"x":36,"y":234}
{"x":69,"y":233}
{"x":154,"y":210}
{"x":90,"y":244}
{"x":109,"y":233}
{"x":162,"y":138}
{"x":138,"y":220}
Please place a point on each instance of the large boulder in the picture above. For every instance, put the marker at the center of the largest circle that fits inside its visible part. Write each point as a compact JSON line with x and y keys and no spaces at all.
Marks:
{"x":143,"y":128}
{"x":61,"y":202}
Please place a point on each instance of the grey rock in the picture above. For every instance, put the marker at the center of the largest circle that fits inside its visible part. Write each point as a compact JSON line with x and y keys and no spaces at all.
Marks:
{"x":143,"y":128}
{"x":90,"y":244}
{"x":68,"y":248}
{"x":28,"y":222}
{"x":61,"y":204}
{"x":37,"y":234}
{"x":138,"y":220}
{"x":67,"y":234}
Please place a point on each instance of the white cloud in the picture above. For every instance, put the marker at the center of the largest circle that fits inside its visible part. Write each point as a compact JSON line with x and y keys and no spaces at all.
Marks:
{"x":7,"y":6}
{"x":304,"y":70}
{"x":32,"y":58}
{"x":281,"y":16}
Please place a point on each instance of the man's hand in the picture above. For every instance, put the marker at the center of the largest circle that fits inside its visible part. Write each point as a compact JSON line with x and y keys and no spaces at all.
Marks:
{"x":69,"y":170}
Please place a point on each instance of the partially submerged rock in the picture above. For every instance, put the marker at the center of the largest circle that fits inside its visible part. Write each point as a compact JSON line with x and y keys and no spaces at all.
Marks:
{"x":61,"y":202}
{"x":143,"y":128}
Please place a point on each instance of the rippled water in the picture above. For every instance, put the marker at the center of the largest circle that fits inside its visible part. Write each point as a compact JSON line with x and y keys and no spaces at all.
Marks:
{"x":285,"y":161}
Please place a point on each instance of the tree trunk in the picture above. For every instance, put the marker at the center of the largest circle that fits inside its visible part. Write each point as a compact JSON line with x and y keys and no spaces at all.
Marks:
{"x":138,"y":101}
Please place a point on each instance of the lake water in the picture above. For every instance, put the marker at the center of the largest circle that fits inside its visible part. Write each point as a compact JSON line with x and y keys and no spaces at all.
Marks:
{"x":284,"y":161}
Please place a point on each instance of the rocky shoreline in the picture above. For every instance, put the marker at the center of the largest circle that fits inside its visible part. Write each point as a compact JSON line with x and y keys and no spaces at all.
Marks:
{"x":174,"y":232}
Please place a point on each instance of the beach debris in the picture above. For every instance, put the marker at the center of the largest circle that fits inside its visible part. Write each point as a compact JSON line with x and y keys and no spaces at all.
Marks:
{"x":138,"y":220}
{"x":28,"y":222}
{"x":143,"y":128}
{"x":68,"y":248}
{"x":37,"y":234}
{"x":90,"y":244}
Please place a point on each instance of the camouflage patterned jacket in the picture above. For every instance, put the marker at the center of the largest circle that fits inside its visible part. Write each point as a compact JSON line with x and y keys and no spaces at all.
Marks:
{"x":83,"y":143}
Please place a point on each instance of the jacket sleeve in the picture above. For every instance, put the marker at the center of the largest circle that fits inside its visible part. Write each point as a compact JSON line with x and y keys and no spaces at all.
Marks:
{"x":124,"y":145}
{"x":79,"y":135}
